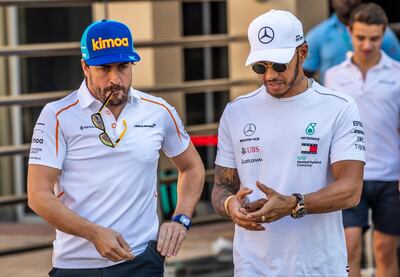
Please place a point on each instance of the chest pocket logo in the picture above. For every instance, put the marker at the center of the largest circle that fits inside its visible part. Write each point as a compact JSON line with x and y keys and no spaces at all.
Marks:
{"x":310,"y":130}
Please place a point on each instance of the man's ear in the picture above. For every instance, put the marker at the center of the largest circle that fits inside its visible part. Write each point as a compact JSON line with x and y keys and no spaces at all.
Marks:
{"x":303,"y":52}
{"x":85,"y":68}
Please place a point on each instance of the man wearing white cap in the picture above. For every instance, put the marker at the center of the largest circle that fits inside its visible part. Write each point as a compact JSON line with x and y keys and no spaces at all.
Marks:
{"x":289,"y":159}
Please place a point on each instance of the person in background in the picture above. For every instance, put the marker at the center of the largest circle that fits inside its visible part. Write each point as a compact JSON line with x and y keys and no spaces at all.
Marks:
{"x":93,"y":167}
{"x":288,"y":161}
{"x":372,"y":78}
{"x":329,"y":42}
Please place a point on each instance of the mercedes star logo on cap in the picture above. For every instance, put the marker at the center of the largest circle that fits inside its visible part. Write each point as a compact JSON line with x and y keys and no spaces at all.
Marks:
{"x":266,"y":35}
{"x":249,"y":129}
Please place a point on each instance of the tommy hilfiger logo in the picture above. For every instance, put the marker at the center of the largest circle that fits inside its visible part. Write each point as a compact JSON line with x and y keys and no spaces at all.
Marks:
{"x":309,"y":148}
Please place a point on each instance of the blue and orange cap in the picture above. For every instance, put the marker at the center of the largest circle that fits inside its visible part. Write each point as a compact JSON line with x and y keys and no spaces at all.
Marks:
{"x":108,"y":41}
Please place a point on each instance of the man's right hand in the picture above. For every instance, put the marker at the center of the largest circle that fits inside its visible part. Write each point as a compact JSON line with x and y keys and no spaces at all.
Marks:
{"x":111,"y":245}
{"x":236,"y":214}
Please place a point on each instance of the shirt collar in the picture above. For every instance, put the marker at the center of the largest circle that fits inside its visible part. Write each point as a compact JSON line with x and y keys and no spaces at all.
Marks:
{"x":86,"y":98}
{"x":384,"y":63}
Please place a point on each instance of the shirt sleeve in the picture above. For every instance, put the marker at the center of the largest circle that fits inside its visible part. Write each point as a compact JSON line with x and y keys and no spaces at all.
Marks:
{"x":348,"y":137}
{"x":48,"y":146}
{"x":391,"y":45}
{"x":176,"y":139}
{"x":225,"y":155}
{"x":313,"y":60}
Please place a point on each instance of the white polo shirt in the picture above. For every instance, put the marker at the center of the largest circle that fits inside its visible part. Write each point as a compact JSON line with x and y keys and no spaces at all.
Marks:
{"x":378,"y":98}
{"x":289,"y":145}
{"x":113,"y":187}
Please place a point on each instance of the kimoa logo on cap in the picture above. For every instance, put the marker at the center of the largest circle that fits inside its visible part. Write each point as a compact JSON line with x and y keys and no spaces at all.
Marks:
{"x":109,"y":43}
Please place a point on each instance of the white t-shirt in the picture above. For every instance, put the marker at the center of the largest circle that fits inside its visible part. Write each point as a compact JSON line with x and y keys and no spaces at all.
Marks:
{"x":289,"y":145}
{"x":378,"y":99}
{"x":113,"y":187}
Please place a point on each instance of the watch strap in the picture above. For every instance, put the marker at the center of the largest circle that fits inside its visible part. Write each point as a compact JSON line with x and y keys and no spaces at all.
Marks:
{"x":300,"y":209}
{"x":183,"y":219}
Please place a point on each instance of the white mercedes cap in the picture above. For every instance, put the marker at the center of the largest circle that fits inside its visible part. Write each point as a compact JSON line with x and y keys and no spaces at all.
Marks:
{"x":274,"y":36}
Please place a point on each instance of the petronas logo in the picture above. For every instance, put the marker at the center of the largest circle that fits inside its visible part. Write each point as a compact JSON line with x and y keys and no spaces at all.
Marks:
{"x":310,"y":130}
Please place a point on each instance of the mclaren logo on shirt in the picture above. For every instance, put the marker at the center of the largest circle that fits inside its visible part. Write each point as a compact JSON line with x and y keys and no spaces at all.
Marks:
{"x":82,"y":127}
{"x":145,"y":125}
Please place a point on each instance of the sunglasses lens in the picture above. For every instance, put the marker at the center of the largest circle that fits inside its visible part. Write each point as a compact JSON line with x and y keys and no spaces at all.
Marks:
{"x":98,"y":121}
{"x":105,"y":139}
{"x":279,"y":67}
{"x":259,"y":68}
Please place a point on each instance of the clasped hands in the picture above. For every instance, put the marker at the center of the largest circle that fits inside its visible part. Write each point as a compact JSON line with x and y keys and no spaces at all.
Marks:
{"x":276,"y":206}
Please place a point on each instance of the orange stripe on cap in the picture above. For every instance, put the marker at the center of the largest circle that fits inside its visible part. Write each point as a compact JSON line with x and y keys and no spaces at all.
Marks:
{"x":170,"y":113}
{"x":58,"y":123}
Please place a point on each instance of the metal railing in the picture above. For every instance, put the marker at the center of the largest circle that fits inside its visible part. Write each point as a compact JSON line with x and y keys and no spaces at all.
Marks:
{"x":73,"y":48}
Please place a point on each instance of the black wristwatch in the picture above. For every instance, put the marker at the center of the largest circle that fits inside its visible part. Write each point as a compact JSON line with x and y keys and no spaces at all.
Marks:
{"x":183,"y":219}
{"x":300,"y":210}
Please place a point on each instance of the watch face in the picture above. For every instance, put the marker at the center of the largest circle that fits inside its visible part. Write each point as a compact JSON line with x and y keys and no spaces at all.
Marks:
{"x":185,"y":220}
{"x":300,"y":212}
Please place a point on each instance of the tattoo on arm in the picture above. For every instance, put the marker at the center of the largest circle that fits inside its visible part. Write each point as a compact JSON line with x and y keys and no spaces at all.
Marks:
{"x":226,"y":183}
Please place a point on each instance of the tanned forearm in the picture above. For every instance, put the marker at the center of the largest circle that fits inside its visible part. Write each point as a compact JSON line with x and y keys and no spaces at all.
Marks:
{"x":190,"y":186}
{"x":226,"y":183}
{"x":42,"y":201}
{"x":190,"y":180}
{"x":59,"y":216}
{"x":334,"y":197}
{"x":343,"y":193}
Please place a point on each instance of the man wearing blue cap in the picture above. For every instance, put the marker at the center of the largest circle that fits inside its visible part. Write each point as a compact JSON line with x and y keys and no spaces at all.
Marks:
{"x":93,"y":167}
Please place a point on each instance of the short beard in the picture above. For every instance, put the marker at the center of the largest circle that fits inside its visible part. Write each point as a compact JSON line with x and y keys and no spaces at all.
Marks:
{"x":101,"y":93}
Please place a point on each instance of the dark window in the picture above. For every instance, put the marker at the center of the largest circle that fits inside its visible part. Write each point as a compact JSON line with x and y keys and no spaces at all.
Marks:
{"x":205,"y":18}
{"x":39,"y":25}
{"x":218,"y":18}
{"x":192,"y":19}
{"x":41,"y":74}
{"x":195,"y":15}
{"x":196,"y":110}
{"x":220,"y":62}
{"x":194,"y":64}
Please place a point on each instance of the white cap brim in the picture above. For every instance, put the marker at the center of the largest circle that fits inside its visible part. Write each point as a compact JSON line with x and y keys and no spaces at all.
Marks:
{"x":282,"y":55}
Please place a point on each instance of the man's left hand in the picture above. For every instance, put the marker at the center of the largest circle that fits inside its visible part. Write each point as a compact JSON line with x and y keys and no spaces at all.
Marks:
{"x":277,"y":205}
{"x":170,"y":238}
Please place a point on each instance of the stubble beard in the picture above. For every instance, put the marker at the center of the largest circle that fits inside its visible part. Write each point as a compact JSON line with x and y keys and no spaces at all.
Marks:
{"x":102,"y":94}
